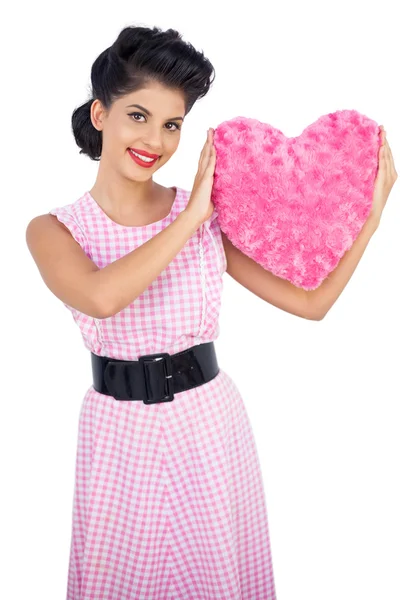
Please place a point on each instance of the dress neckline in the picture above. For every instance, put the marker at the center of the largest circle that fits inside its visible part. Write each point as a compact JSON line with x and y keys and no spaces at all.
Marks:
{"x":115,"y":224}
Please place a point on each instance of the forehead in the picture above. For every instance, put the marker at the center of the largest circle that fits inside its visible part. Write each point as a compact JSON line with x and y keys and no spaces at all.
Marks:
{"x":156,"y":97}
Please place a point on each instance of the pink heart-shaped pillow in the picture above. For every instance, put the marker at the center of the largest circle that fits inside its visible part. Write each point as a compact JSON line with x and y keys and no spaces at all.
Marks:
{"x":296,"y":205}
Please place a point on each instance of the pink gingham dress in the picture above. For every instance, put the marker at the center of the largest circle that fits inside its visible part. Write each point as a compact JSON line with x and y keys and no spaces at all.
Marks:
{"x":169,"y":501}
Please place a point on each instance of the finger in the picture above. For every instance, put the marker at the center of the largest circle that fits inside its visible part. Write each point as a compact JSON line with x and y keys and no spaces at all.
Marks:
{"x":208,"y":157}
{"x":207,"y":147}
{"x":205,"y":144}
{"x":205,"y":159}
{"x":390,"y":158}
{"x":210,"y":163}
{"x":382,"y":144}
{"x":204,"y":152}
{"x":392,"y":165}
{"x":386,"y":164}
{"x":212,"y":160}
{"x":386,"y":157}
{"x":382,"y":159}
{"x":388,"y":146}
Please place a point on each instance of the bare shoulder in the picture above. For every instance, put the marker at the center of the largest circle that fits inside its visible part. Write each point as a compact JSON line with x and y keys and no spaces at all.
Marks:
{"x":41,"y":224}
{"x":65,"y":268}
{"x":43,"y":227}
{"x":51,"y":243}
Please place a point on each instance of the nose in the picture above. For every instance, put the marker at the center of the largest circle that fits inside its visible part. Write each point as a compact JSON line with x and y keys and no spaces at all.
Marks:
{"x":152,"y":140}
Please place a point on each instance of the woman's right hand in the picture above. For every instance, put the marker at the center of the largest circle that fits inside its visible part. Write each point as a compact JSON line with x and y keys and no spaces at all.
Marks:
{"x":199,"y":203}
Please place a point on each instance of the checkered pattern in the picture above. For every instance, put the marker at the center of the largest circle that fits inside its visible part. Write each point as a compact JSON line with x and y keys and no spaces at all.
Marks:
{"x":169,"y":501}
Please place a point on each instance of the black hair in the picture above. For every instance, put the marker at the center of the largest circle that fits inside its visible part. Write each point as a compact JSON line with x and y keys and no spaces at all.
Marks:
{"x":138,"y":56}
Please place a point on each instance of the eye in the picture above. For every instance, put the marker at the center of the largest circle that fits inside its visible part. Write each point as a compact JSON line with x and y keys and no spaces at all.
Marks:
{"x":138,"y":114}
{"x":135,"y":114}
{"x":176,"y":125}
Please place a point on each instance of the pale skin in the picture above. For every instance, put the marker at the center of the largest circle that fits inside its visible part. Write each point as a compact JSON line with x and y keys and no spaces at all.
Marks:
{"x":127,"y":193}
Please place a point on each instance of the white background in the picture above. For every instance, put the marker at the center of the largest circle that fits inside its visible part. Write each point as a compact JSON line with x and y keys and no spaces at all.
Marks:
{"x":323,"y":397}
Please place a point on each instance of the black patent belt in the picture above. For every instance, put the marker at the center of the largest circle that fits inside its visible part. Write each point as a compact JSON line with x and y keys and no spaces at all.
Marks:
{"x":155,"y":377}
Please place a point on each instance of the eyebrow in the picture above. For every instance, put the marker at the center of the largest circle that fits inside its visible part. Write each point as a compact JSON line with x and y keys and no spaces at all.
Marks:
{"x":149,"y":113}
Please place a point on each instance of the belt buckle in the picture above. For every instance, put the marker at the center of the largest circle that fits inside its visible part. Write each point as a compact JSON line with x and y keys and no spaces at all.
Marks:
{"x":149,"y":358}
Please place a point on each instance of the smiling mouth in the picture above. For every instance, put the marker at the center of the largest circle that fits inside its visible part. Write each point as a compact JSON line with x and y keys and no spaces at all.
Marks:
{"x":144,"y":157}
{"x":142,"y":161}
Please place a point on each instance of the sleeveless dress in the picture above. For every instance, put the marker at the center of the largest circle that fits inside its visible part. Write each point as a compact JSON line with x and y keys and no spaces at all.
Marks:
{"x":168,"y":500}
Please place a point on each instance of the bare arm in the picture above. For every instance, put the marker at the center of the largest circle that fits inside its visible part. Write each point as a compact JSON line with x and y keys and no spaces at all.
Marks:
{"x":323,"y":297}
{"x":264,"y":284}
{"x":70,"y":274}
{"x":63,"y":264}
{"x":313,"y":304}
{"x":77,"y":281}
{"x":120,"y":282}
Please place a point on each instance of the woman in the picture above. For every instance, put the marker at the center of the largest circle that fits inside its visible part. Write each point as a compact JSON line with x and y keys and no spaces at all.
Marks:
{"x":169,"y":499}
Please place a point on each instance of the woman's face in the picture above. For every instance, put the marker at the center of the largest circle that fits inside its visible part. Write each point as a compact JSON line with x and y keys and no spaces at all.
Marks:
{"x":156,"y":131}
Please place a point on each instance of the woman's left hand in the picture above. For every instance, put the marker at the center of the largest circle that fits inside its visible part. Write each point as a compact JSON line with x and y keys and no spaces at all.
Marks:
{"x":385,"y":178}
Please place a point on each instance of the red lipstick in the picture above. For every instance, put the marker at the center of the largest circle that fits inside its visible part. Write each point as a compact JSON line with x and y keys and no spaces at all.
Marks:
{"x":142,"y":163}
{"x":144,"y":153}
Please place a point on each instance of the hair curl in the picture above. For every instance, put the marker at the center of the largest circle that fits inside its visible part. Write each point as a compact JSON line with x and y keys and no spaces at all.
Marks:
{"x":140,"y":55}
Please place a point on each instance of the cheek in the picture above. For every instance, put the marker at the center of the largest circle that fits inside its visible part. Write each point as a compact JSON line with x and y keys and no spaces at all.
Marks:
{"x":172,"y":144}
{"x":126,"y":138}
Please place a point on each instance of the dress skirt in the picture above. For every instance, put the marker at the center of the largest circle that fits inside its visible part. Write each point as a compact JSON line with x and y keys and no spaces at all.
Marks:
{"x":169,"y":501}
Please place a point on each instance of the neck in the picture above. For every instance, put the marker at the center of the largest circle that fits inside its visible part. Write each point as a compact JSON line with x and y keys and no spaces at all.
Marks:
{"x":120,"y":195}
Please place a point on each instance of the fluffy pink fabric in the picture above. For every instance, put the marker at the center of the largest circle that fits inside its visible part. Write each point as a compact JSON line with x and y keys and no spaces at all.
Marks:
{"x":296,"y":205}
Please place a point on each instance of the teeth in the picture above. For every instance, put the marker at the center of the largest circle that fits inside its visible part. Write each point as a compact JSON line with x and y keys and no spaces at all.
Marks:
{"x":144,"y":158}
